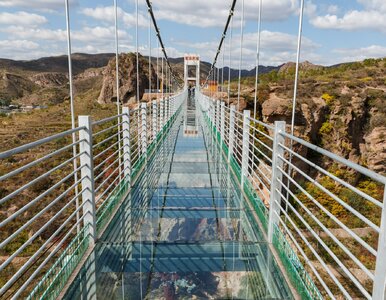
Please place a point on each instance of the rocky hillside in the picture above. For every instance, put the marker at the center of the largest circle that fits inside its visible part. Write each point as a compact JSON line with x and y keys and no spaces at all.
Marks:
{"x":127,"y":79}
{"x":342,"y":108}
{"x":44,"y":81}
{"x":80,"y":63}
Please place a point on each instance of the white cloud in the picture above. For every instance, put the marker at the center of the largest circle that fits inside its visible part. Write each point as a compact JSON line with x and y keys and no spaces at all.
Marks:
{"x":276,"y":48}
{"x":36,"y":4}
{"x":96,"y":34}
{"x":379,"y":5}
{"x":204,"y":13}
{"x":18,"y":45}
{"x":22,"y":18}
{"x":107,"y":14}
{"x":372,"y":17}
{"x":333,"y":9}
{"x":353,"y":20}
{"x":310,"y":9}
{"x":373,"y":51}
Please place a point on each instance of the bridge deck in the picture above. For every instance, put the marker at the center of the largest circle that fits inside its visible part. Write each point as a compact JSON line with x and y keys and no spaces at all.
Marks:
{"x":191,"y":234}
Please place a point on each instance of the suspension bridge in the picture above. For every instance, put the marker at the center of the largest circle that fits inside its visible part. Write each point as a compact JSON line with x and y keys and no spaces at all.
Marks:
{"x":187,"y":197}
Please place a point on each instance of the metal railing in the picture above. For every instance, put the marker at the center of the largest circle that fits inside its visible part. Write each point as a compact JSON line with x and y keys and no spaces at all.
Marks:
{"x":324,"y":214}
{"x":51,"y":214}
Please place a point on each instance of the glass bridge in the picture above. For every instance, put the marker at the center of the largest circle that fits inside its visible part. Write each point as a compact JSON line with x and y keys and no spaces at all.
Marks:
{"x":184,"y":231}
{"x":187,"y":198}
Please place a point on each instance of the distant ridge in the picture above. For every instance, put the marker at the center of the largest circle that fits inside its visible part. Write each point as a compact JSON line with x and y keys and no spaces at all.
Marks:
{"x":59,"y":64}
{"x":83,"y":61}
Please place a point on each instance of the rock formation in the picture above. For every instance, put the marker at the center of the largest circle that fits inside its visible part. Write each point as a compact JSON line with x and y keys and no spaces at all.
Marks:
{"x":127,"y":78}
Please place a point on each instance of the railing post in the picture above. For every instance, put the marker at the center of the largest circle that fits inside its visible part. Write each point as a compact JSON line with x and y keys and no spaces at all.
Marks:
{"x":154,"y":120}
{"x":379,"y":288}
{"x":245,"y":149}
{"x":143,"y":128}
{"x":275,"y":198}
{"x":231,"y":132}
{"x":167,"y":113}
{"x":126,"y":142}
{"x":218,"y":115}
{"x":127,"y":214}
{"x":161,"y":114}
{"x":222,"y":121}
{"x":87,"y":175}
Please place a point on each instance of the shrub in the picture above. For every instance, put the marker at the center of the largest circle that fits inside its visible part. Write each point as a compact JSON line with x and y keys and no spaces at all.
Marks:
{"x":326,"y":128}
{"x":328,"y":98}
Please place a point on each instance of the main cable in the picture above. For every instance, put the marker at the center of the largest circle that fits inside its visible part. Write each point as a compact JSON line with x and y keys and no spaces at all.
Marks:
{"x":150,"y":9}
{"x":230,"y":15}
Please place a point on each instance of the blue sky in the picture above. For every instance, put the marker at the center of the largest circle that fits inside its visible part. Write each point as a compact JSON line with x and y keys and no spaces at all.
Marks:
{"x":334,"y":31}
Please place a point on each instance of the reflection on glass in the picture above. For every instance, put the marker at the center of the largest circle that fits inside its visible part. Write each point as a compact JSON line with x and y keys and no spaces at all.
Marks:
{"x":184,"y":232}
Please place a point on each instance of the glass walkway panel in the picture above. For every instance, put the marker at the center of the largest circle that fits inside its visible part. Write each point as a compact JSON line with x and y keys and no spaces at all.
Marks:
{"x":184,"y":231}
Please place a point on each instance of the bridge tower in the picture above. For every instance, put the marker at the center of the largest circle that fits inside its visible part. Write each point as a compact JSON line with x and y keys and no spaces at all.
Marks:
{"x":192,"y":70}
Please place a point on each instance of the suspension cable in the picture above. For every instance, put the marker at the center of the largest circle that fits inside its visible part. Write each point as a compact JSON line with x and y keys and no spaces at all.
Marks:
{"x":230,"y":63}
{"x":241,"y":54}
{"x":157,"y":68}
{"x":117,"y":83}
{"x":230,"y":15}
{"x":136,"y":48}
{"x":257,"y":57}
{"x":295,"y":92}
{"x":150,"y":9}
{"x":150,"y":91}
{"x":70,"y":77}
{"x":297,"y":65}
{"x":222,"y":72}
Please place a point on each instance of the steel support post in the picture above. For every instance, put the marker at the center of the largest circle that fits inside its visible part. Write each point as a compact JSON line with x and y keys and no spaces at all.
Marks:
{"x":154,"y":120}
{"x":87,"y":175}
{"x":245,"y":148}
{"x":161,"y":114}
{"x":222,"y":122}
{"x":275,"y":198}
{"x":143,"y":128}
{"x":231,"y":132}
{"x":127,"y":214}
{"x":218,"y":115}
{"x":379,"y":288}
{"x":244,"y":169}
{"x":88,"y":199}
{"x":126,"y":142}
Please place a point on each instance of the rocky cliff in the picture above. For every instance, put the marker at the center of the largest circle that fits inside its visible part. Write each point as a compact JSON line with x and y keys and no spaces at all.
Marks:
{"x":345,"y":116}
{"x":127,"y":79}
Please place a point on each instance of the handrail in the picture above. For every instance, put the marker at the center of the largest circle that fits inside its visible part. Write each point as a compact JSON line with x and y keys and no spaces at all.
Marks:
{"x":295,"y":195}
{"x":64,"y":214}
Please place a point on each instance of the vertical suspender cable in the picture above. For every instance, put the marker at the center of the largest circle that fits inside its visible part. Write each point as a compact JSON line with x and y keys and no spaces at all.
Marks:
{"x":136,"y":49}
{"x":222,"y":72}
{"x":117,"y":84}
{"x":218,"y":80}
{"x":150,"y":57}
{"x":152,"y":113}
{"x":297,"y":66}
{"x":162,"y":77}
{"x":241,"y":54}
{"x":295,"y":91}
{"x":230,"y":61}
{"x":137,"y":95}
{"x":157,"y":68}
{"x":75,"y":164}
{"x":257,"y":57}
